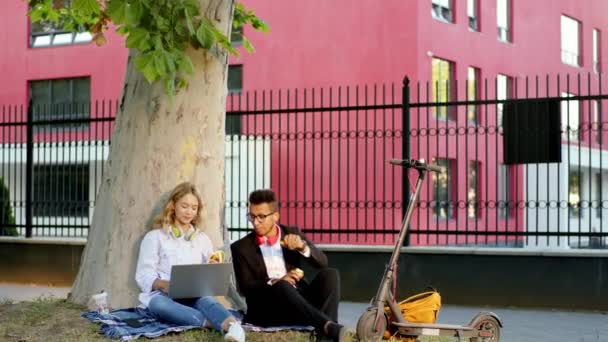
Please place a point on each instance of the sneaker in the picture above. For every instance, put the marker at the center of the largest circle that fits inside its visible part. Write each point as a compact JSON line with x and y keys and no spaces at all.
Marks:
{"x":235,"y":333}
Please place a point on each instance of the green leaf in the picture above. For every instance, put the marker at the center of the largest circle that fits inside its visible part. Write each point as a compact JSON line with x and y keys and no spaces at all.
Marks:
{"x":185,"y":65}
{"x":86,"y":8}
{"x":162,"y":23}
{"x":182,"y":83}
{"x":170,"y":62}
{"x":189,"y":23}
{"x":170,"y":86}
{"x":259,"y":24}
{"x":159,"y":63}
{"x":138,"y":38}
{"x":116,"y":9}
{"x":204,"y":34}
{"x":122,"y":30}
{"x":134,"y":10}
{"x":144,"y":63}
{"x":247,"y":45}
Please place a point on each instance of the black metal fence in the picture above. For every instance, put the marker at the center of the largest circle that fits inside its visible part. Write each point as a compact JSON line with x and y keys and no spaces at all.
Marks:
{"x":325,"y":151}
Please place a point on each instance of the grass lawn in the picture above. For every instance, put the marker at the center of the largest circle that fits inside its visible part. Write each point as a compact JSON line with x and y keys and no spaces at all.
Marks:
{"x":51,"y":319}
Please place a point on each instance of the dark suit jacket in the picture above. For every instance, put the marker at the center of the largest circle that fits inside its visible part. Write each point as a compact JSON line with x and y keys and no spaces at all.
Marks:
{"x":249,"y":267}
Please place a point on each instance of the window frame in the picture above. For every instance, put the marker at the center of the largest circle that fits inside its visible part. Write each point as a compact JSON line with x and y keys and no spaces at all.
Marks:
{"x":438,"y":204}
{"x":53,"y":31}
{"x":568,"y":57}
{"x":441,"y":12}
{"x":505,"y":201}
{"x":476,"y":165}
{"x":472,"y":109}
{"x":58,"y":172}
{"x":508,"y":94}
{"x":474,"y":20}
{"x":52,"y":111}
{"x":574,"y":207}
{"x":231,"y":69}
{"x":443,"y":112}
{"x":597,"y":50}
{"x":567,"y":107}
{"x":505,"y":33}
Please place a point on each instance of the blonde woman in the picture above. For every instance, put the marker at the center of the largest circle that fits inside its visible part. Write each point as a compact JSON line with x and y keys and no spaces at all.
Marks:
{"x":176,"y":239}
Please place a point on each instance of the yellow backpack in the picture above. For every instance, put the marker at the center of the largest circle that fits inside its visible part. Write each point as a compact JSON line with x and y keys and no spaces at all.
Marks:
{"x":420,"y":308}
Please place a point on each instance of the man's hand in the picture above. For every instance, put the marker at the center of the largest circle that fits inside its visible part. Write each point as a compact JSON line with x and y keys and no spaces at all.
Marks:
{"x":162,"y":285}
{"x":294,"y":242}
{"x":292,"y":277}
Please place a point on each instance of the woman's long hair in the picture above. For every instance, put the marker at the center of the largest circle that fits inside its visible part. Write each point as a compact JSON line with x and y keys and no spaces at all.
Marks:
{"x":167,"y":216}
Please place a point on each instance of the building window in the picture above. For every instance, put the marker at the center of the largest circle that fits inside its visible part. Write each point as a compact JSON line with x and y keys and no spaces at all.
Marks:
{"x":596,"y":51}
{"x":61,"y":100}
{"x":505,"y":198}
{"x":504,"y":20}
{"x":503,"y":92}
{"x":570,"y":117}
{"x":597,"y":120}
{"x":598,"y":195}
{"x":443,"y":190}
{"x":442,"y":10}
{"x":472,"y":189}
{"x":574,"y":194}
{"x":61,"y":190}
{"x":236,"y":35}
{"x":472,"y":94}
{"x":473,"y":14}
{"x":235,"y":79}
{"x":235,"y":86}
{"x":49,"y":33}
{"x":442,"y":90}
{"x":570,"y":41}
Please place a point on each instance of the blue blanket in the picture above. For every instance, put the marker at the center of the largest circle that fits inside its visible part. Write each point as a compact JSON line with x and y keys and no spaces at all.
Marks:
{"x":114,"y":325}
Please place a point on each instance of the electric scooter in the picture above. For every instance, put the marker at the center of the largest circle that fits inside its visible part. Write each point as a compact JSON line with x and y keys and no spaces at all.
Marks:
{"x":485,"y":326}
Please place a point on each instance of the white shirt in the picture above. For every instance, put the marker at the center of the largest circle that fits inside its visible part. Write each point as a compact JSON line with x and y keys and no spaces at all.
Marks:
{"x":160,"y":250}
{"x":273,"y":258}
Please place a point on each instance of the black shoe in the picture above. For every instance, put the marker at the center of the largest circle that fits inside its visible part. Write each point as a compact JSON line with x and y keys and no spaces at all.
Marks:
{"x":336,"y":332}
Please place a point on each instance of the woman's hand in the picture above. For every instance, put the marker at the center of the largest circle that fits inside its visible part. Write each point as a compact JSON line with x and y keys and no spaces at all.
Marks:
{"x":162,"y":285}
{"x":216,"y":257}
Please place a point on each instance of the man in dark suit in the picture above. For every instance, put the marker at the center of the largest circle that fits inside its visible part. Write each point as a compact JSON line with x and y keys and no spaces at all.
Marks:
{"x":267,"y":263}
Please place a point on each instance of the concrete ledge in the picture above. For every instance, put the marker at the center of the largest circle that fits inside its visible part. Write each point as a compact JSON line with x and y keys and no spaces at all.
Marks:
{"x":481,"y":279}
{"x":45,"y":240}
{"x":572,"y":279}
{"x":39,"y":261}
{"x":470,"y":251}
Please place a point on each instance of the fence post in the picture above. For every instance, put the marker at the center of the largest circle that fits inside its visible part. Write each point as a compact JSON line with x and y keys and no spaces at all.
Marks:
{"x":405,"y":148}
{"x":29,"y":167}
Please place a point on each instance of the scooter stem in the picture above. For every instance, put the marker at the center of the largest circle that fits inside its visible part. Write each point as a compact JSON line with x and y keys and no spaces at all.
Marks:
{"x":383,"y":295}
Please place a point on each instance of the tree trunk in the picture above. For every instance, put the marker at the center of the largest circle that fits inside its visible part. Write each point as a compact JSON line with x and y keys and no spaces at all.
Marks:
{"x":157,"y":143}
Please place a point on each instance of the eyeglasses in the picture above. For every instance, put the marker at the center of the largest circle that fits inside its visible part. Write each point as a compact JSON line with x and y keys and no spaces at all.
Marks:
{"x":260,"y":217}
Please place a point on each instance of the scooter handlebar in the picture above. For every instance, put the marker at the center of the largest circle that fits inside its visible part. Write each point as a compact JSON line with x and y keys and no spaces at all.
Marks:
{"x":416,"y":164}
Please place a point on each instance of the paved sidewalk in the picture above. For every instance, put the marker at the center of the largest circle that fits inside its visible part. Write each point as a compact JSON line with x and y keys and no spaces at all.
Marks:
{"x":17,"y":293}
{"x":520,"y":325}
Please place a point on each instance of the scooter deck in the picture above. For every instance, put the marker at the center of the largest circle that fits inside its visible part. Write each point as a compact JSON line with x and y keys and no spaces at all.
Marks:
{"x":428,"y":329}
{"x":432,"y":326}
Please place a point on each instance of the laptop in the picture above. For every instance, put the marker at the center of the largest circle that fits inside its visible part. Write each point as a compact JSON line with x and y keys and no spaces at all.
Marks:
{"x":200,"y":280}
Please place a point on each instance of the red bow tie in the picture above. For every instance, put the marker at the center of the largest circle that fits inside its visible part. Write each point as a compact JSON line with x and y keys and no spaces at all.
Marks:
{"x":261,"y":240}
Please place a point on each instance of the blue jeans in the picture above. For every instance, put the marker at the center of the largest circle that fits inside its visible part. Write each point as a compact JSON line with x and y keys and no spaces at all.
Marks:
{"x":191,"y":311}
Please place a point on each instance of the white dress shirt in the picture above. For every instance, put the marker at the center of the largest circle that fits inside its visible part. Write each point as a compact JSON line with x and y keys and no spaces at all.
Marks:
{"x":273,"y":258}
{"x":160,"y":250}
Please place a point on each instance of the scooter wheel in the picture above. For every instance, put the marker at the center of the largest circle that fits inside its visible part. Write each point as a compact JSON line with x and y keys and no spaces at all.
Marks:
{"x":367,"y":328}
{"x":487,"y":329}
